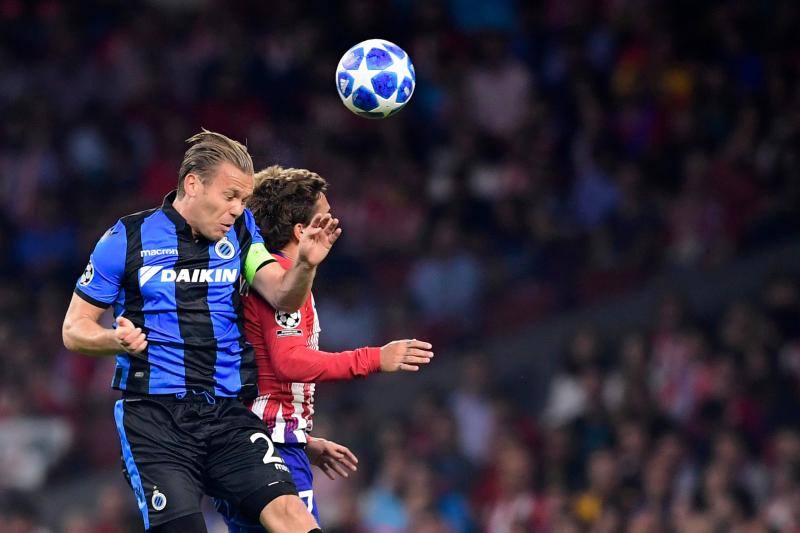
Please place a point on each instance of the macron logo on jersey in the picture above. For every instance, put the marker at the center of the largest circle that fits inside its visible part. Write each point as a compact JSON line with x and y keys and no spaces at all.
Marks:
{"x":162,"y":251}
{"x":185,"y":275}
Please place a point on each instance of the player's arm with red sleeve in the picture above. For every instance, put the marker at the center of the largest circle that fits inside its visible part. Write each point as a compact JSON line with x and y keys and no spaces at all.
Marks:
{"x":292,"y":359}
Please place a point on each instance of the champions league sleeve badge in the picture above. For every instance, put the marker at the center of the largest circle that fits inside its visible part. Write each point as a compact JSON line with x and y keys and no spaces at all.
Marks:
{"x":87,"y":276}
{"x":289,"y":323}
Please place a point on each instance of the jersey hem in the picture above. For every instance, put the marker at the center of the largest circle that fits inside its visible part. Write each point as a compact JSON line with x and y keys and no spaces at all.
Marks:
{"x":164,"y":393}
{"x":95,"y":302}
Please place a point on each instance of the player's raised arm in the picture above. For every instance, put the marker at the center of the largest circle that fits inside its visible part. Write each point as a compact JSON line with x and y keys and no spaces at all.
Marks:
{"x":286,"y":290}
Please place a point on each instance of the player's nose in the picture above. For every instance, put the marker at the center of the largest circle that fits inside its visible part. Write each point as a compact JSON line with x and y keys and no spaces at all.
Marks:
{"x":237,"y":208}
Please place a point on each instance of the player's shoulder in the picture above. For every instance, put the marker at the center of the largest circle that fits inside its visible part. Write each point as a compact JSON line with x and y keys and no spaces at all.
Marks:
{"x":138,"y":217}
{"x":284,"y":262}
{"x":116,"y":236}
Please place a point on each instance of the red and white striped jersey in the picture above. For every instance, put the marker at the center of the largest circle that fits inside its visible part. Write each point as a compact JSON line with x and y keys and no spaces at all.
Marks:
{"x":290,"y":363}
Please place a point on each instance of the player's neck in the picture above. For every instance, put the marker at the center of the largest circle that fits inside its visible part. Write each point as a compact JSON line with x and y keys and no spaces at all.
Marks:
{"x":183,"y":210}
{"x":290,"y":251}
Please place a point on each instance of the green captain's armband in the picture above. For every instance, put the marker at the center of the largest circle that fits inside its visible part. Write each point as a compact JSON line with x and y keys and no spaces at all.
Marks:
{"x":257,"y":257}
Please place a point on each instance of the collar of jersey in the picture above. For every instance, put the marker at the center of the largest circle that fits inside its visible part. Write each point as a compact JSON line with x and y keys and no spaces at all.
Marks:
{"x":172,"y":213}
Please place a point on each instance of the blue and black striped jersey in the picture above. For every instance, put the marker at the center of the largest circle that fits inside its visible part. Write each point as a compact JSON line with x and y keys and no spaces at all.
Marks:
{"x":184,"y":294}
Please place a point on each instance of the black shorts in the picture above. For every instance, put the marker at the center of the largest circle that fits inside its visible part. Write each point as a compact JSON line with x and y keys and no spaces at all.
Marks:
{"x":174,"y":450}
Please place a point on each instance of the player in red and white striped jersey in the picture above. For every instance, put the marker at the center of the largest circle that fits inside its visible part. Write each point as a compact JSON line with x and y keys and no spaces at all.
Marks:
{"x":287,"y":344}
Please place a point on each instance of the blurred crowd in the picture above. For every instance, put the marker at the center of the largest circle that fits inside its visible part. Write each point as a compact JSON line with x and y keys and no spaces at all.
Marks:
{"x":690,"y":425}
{"x":554,"y":154}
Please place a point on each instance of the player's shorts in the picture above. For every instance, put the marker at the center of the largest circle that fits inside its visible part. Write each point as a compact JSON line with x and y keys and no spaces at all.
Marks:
{"x":296,"y":459}
{"x":177,"y":448}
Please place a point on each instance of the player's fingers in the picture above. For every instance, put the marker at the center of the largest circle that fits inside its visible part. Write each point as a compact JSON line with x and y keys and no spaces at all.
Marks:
{"x":408,"y":368}
{"x":346,"y":457}
{"x":339,"y":469}
{"x":124,"y":322}
{"x":311,"y":232}
{"x":335,"y":235}
{"x":422,"y":345}
{"x":134,"y":336}
{"x":332,"y":225}
{"x":348,"y":463}
{"x":139,"y":348}
{"x":324,"y":220}
{"x":327,"y":471}
{"x":419,"y":353}
{"x":131,"y":331}
{"x":414,"y":360}
{"x":315,"y":221}
{"x":350,"y":456}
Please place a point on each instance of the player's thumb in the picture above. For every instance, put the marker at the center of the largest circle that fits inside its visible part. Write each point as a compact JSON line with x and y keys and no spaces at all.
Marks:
{"x":124,"y":322}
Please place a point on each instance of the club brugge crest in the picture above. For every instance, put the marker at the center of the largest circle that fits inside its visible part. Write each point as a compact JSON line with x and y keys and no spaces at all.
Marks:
{"x":224,"y":248}
{"x":159,"y":500}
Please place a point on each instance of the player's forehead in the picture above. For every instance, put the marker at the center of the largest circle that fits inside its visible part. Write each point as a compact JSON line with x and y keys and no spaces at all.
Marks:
{"x":322,"y":205}
{"x":228,"y":176}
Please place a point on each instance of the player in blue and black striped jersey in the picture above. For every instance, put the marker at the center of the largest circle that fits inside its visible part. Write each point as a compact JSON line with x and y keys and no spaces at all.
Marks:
{"x":172,"y":275}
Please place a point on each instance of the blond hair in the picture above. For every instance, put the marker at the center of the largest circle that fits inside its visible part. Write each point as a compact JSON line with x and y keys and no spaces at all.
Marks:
{"x":208,"y":149}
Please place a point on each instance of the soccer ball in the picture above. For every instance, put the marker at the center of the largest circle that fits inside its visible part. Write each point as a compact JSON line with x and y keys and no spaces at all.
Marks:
{"x":375,"y":78}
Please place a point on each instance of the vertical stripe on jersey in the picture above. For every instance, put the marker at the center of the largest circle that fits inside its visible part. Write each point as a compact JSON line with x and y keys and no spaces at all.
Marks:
{"x":137,"y":378}
{"x":280,"y":425}
{"x":224,"y":318}
{"x":123,"y":362}
{"x":160,"y":317}
{"x":298,"y":399}
{"x":194,"y":317}
{"x":259,"y":405}
{"x":248,"y":371}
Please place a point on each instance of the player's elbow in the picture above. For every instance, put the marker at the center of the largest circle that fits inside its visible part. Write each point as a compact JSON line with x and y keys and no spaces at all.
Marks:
{"x":288,"y":369}
{"x":67,"y":337}
{"x":286,"y":302}
{"x":283,"y":372}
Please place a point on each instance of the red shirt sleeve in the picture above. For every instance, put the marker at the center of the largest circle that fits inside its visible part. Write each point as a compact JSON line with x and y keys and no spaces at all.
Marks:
{"x":282,"y":342}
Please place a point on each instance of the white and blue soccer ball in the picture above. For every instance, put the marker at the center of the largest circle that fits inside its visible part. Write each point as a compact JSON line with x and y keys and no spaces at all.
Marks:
{"x":375,"y":78}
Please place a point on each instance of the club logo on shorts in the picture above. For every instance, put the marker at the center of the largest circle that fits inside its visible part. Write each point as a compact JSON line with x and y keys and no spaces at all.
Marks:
{"x":159,"y":500}
{"x":225,"y":248}
{"x":87,"y":276}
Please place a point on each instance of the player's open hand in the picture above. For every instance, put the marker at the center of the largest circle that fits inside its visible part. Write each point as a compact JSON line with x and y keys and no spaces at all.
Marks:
{"x":405,"y":355}
{"x":130,"y":338}
{"x":331,"y":458}
{"x":318,"y":238}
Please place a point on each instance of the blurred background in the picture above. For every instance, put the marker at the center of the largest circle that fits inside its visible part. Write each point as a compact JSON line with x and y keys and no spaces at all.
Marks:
{"x":589,"y":207}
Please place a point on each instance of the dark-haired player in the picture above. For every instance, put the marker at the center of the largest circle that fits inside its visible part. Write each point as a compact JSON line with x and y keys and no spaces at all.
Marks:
{"x":284,"y":203}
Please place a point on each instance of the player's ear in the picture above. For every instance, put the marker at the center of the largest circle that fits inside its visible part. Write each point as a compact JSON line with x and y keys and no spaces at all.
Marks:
{"x":190,"y":184}
{"x":298,"y":231}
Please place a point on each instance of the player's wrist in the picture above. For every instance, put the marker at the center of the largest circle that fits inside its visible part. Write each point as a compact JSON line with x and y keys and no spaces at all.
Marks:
{"x":305,"y":264}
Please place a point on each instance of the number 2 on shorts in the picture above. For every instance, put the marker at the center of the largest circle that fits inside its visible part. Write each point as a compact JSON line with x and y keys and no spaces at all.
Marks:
{"x":270,"y":456}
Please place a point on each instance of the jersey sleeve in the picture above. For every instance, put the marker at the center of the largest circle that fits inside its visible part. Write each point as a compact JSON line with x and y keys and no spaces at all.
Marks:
{"x":285,"y":341}
{"x":101,"y":280}
{"x":257,"y":255}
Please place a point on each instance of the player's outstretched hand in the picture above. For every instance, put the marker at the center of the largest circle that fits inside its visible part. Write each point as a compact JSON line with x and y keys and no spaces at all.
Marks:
{"x":405,"y":355}
{"x":318,"y":238}
{"x":331,"y":458}
{"x":130,"y":338}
